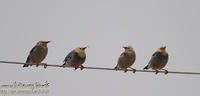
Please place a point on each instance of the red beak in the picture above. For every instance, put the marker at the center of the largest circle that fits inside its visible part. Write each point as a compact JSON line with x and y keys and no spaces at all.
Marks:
{"x":164,"y":47}
{"x":84,"y":48}
{"x":124,"y":47}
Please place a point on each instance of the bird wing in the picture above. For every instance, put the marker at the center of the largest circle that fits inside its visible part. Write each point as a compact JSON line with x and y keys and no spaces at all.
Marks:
{"x":155,"y":57}
{"x":119,"y":61}
{"x":69,"y":56}
{"x":154,"y":54}
{"x":158,"y":61}
{"x":28,"y":58}
{"x":121,"y":57}
{"x":147,"y":67}
{"x":122,"y":60}
{"x":30,"y":54}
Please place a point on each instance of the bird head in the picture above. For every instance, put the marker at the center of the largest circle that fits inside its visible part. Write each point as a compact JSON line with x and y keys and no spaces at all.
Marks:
{"x":81,"y":51}
{"x":43,"y":43}
{"x":128,"y":49}
{"x":162,"y":49}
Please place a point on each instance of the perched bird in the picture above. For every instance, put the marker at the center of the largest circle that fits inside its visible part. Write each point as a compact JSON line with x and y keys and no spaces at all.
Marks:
{"x":76,"y":58}
{"x":37,"y":54}
{"x":158,"y":60}
{"x":126,"y":59}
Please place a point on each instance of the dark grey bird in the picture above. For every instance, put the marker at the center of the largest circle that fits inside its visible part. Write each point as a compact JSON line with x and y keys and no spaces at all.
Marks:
{"x":37,"y":54}
{"x":76,"y":58}
{"x":158,"y":60}
{"x":126,"y":59}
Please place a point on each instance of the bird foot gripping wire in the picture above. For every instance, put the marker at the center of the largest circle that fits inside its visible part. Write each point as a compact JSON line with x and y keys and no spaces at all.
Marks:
{"x":82,"y":67}
{"x":76,"y":66}
{"x":125,"y":69}
{"x":134,"y":70}
{"x":45,"y":64}
{"x":166,"y":72}
{"x":37,"y":64}
{"x":156,"y":71}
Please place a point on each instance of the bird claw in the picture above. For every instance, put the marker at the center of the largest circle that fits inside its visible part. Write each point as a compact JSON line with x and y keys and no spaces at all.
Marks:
{"x":82,"y":67}
{"x":75,"y":67}
{"x":125,"y":69}
{"x":37,"y":64}
{"x":134,"y":70}
{"x":166,"y":72}
{"x":45,"y":64}
{"x":156,"y":71}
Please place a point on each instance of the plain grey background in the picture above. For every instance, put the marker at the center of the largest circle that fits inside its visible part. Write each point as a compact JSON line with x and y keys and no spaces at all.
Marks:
{"x":105,"y":26}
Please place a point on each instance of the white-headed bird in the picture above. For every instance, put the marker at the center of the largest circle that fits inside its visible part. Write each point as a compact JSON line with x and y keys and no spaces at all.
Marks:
{"x":126,"y":59}
{"x":158,"y":60}
{"x":37,"y":54}
{"x":76,"y":58}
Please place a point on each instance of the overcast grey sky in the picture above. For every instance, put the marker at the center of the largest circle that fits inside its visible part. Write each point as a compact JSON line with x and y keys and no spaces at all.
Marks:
{"x":105,"y":26}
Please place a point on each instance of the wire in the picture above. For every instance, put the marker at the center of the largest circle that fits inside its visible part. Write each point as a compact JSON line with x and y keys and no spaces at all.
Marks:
{"x":98,"y":68}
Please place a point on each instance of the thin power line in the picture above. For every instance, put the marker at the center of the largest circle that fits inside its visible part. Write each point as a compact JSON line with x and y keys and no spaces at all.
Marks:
{"x":98,"y":68}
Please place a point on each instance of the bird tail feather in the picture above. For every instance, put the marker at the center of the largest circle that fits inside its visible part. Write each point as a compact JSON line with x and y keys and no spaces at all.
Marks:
{"x":116,"y":68}
{"x":25,"y":65}
{"x":146,"y":67}
{"x":64,"y":63}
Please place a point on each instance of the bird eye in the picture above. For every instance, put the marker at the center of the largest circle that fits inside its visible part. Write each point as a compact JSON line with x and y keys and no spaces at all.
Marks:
{"x":161,"y":48}
{"x":43,"y":42}
{"x":128,"y":48}
{"x":80,"y":48}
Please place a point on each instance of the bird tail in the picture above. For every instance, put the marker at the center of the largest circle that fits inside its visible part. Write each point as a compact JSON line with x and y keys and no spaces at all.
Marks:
{"x":146,"y":67}
{"x":25,"y":65}
{"x":116,"y":68}
{"x":27,"y":61}
{"x":64,"y":63}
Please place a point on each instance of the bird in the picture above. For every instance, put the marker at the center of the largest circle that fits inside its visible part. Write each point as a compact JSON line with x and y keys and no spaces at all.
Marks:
{"x":126,"y":59}
{"x":37,"y":54}
{"x":76,"y":58}
{"x":158,"y":60}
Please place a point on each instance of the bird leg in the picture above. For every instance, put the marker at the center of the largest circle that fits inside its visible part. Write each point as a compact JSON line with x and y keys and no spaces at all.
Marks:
{"x":125,"y":69}
{"x":76,"y":66}
{"x":82,"y":67}
{"x":37,"y":64}
{"x":134,"y":70}
{"x":165,"y":71}
{"x":156,"y":71}
{"x":45,"y":65}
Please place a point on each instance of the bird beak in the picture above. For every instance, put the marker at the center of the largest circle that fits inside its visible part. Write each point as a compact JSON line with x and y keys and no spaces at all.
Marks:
{"x":124,"y":47}
{"x":48,"y":41}
{"x":84,"y":48}
{"x":164,"y":47}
